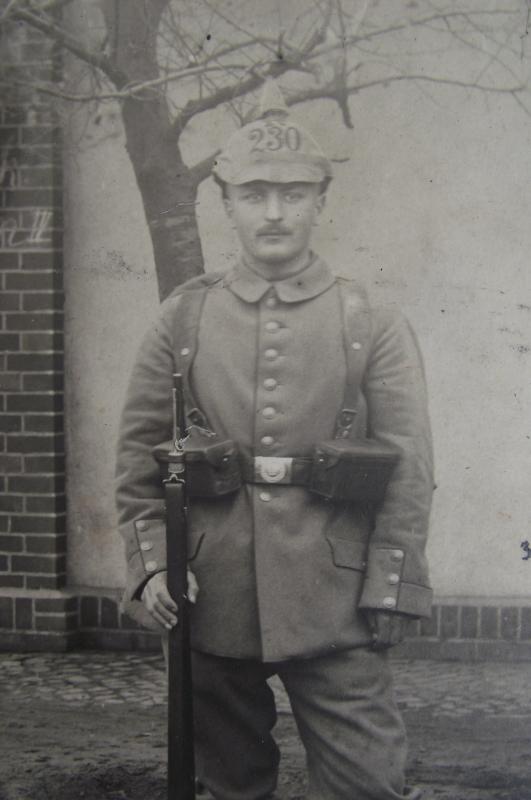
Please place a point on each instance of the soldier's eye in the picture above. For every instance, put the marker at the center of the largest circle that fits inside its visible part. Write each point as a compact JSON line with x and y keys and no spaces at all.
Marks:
{"x":293,"y":197}
{"x":252,"y":197}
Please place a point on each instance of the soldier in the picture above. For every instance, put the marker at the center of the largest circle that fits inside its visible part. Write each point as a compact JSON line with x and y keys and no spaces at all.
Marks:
{"x":279,"y":355}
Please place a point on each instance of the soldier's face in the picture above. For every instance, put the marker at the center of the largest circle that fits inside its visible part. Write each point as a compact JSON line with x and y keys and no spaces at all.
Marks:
{"x":274,"y":220}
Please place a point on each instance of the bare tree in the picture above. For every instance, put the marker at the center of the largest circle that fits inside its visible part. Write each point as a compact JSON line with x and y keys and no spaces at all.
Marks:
{"x":171,"y":64}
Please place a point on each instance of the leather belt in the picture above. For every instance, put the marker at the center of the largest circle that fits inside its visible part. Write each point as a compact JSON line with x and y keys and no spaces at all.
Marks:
{"x":272,"y":469}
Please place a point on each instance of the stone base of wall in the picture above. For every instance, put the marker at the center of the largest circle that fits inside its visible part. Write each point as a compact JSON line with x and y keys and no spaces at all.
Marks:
{"x":75,"y":618}
{"x":52,"y":620}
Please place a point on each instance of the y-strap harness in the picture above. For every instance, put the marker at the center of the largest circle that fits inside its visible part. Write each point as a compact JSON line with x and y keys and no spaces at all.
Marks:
{"x":356,"y":326}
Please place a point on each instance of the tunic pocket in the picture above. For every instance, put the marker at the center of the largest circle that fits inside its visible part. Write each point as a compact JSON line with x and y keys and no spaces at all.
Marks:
{"x":348,"y":553}
{"x":194,"y":546}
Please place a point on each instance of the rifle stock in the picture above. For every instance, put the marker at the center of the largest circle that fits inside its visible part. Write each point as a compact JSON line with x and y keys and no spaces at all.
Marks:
{"x":181,"y":765}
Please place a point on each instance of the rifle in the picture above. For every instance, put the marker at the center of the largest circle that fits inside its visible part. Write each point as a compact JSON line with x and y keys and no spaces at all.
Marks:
{"x":181,"y":763}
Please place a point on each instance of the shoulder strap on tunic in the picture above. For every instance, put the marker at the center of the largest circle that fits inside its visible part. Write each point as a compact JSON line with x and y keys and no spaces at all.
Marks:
{"x":356,"y":337}
{"x":187,"y":334}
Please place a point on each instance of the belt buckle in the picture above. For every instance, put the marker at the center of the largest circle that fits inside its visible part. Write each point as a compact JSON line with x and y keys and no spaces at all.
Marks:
{"x":272,"y":469}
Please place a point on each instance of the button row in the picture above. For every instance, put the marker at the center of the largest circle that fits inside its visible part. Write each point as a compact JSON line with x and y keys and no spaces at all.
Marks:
{"x":270,"y":384}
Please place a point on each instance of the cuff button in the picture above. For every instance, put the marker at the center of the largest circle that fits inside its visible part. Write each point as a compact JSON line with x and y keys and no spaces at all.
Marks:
{"x":397,"y":555}
{"x":389,"y":602}
{"x":142,"y":525}
{"x":146,"y":546}
{"x":151,"y":566}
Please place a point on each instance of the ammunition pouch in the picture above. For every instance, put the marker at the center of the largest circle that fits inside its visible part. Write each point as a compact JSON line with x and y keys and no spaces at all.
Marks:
{"x":340,"y":470}
{"x":352,"y":471}
{"x":212,"y":464}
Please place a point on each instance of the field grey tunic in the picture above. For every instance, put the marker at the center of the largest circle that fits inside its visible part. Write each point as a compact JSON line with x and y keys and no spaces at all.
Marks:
{"x":282,"y":573}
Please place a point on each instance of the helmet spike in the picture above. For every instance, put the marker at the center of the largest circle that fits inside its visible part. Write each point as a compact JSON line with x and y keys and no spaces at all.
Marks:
{"x":272,"y":102}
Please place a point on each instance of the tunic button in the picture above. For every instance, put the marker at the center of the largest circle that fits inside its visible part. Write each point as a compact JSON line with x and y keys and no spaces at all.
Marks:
{"x":356,"y":346}
{"x":142,"y":525}
{"x":393,"y":578}
{"x":151,"y":566}
{"x":270,"y":384}
{"x":269,"y":412}
{"x":271,"y":302}
{"x":389,"y":602}
{"x":397,"y":555}
{"x":272,"y":326}
{"x":267,"y":441}
{"x":271,"y":354}
{"x":185,"y":351}
{"x":146,"y":545}
{"x":265,"y":496}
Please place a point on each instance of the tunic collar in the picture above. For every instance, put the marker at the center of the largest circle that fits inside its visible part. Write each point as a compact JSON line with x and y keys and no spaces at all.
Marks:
{"x":313,"y":280}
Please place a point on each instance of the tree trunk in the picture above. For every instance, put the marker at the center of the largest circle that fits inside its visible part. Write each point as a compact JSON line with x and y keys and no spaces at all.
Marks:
{"x":167,"y":187}
{"x":168,"y":193}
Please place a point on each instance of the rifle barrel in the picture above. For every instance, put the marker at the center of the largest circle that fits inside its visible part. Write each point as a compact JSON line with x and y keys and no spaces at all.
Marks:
{"x":181,"y":762}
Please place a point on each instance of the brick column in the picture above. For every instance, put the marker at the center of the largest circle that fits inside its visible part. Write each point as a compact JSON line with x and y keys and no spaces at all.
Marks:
{"x":32,"y":486}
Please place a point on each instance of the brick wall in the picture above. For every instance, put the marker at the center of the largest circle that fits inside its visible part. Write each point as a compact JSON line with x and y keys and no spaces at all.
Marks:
{"x":457,"y":631}
{"x":480,"y":630}
{"x":32,"y":486}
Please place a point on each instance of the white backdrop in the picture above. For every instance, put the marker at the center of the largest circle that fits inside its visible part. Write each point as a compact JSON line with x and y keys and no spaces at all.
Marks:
{"x":431,"y":210}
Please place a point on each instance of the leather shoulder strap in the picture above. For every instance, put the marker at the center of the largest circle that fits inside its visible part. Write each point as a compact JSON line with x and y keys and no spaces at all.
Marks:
{"x":357,"y":327}
{"x":205,"y":280}
{"x":186,"y":331}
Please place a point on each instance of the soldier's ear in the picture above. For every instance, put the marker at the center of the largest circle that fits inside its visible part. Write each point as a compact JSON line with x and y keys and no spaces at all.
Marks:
{"x":319,"y":205}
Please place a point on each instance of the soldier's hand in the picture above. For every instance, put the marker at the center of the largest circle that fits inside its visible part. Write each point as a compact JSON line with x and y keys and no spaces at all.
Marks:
{"x":387,"y":628}
{"x":159,"y":603}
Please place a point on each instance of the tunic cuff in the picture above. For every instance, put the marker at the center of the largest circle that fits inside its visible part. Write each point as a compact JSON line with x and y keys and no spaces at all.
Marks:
{"x":385,"y":590}
{"x":147,"y":558}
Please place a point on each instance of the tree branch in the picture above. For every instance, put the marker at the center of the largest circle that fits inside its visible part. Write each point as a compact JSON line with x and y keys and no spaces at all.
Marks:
{"x":51,"y":5}
{"x":329,"y":92}
{"x":310,"y":52}
{"x":130,"y":90}
{"x":403,"y":26}
{"x":7,"y":12}
{"x":70,"y":43}
{"x":200,"y":171}
{"x":237,"y":27}
{"x":274,"y":70}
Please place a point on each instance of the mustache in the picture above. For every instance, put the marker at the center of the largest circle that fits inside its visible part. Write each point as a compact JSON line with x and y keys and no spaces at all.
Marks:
{"x":273,"y":230}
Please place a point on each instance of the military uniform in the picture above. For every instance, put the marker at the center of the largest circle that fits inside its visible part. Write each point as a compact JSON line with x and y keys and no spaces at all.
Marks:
{"x":284,"y":576}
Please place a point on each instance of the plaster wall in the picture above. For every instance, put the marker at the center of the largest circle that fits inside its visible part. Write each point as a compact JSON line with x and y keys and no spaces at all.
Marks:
{"x":431,"y":210}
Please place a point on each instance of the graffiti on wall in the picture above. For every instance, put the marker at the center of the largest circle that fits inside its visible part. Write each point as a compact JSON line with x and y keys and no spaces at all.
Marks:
{"x":23,"y":228}
{"x":14,"y":235}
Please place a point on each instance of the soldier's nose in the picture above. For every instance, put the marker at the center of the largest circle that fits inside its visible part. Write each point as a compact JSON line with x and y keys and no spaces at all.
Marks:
{"x":273,"y":209}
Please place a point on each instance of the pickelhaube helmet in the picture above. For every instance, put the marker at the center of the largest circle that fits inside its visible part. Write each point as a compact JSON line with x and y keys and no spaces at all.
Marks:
{"x":273,"y":148}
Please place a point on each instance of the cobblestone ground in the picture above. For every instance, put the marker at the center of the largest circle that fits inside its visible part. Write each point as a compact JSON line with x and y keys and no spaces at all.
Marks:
{"x":104,"y":678}
{"x":92,"y":725}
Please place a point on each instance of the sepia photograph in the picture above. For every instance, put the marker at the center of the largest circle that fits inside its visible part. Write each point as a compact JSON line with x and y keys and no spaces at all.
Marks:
{"x":265,"y":399}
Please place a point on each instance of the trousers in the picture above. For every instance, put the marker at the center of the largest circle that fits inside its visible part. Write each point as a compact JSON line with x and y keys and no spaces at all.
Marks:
{"x":345,"y":712}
